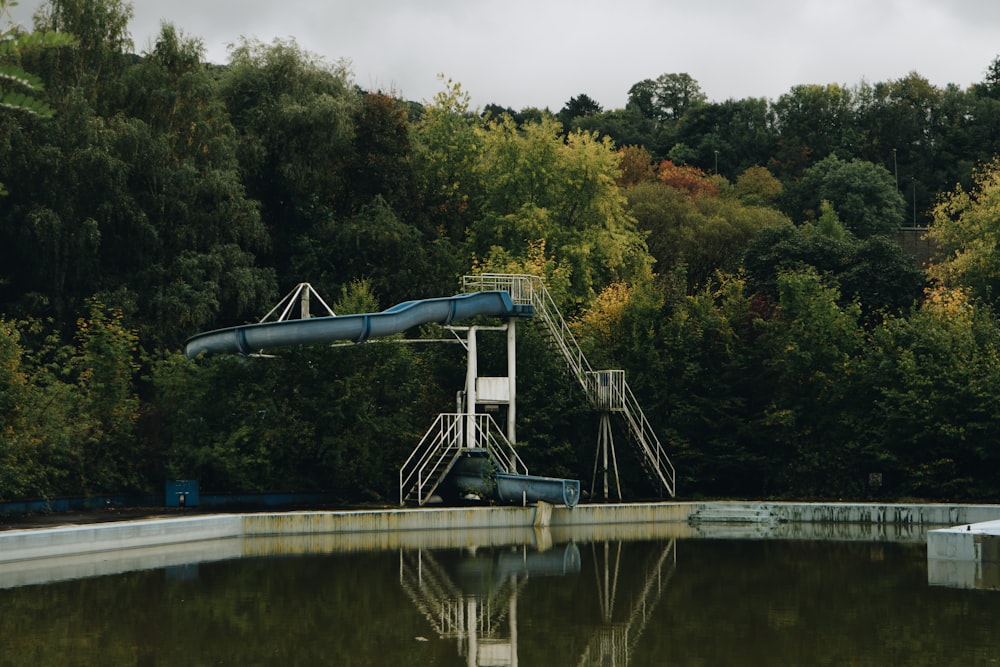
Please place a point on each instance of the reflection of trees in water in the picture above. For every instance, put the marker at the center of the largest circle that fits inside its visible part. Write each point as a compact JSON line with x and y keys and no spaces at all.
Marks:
{"x":471,"y":595}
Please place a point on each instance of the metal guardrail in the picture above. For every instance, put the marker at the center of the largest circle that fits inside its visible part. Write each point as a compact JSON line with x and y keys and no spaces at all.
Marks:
{"x":528,"y":289}
{"x":436,"y":453}
{"x":606,"y":390}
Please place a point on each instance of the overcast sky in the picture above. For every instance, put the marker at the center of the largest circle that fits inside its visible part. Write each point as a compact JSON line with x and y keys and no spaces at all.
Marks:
{"x":539,"y":53}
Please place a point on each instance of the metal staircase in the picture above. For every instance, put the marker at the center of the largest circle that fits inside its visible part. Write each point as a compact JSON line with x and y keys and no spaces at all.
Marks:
{"x":607,"y":390}
{"x":449,"y":437}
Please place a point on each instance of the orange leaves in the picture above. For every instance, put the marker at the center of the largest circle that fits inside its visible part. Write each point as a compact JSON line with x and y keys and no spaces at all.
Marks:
{"x":691,"y":180}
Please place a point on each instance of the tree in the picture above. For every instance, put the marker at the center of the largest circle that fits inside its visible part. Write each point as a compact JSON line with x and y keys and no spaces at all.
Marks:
{"x":445,"y":144}
{"x":344,"y":425}
{"x":373,"y":244}
{"x":538,"y":186}
{"x":581,"y":106}
{"x":642,"y":98}
{"x":929,"y":385}
{"x":17,"y":456}
{"x":813,"y":121}
{"x":623,"y":126}
{"x":699,"y":233}
{"x":636,"y":166}
{"x":808,"y":350}
{"x":20,"y":90}
{"x":69,"y":410}
{"x":966,"y":231}
{"x":675,"y":95}
{"x":990,"y":85}
{"x":380,"y":164}
{"x":690,"y":180}
{"x":103,"y":51}
{"x":863,"y":194}
{"x":875,"y":271}
{"x":144,"y":206}
{"x":756,"y":185}
{"x":106,"y":405}
{"x":294,"y":114}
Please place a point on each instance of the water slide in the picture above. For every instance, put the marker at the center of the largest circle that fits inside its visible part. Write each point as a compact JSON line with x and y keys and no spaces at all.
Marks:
{"x":252,"y":338}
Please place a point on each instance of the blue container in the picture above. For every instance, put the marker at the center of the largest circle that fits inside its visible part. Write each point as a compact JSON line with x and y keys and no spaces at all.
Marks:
{"x":182,"y":493}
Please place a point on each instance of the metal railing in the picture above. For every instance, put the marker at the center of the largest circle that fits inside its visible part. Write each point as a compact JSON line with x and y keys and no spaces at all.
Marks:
{"x":528,"y":289}
{"x":436,"y":453}
{"x":606,"y":390}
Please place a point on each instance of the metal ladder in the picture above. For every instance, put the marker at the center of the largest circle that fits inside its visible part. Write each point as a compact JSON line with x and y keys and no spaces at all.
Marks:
{"x":607,"y":390}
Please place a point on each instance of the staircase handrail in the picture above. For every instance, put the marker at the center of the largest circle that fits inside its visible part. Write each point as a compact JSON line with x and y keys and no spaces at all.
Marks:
{"x":445,"y":438}
{"x":499,"y":446}
{"x":645,"y":436}
{"x":525,"y":288}
{"x":439,"y":439}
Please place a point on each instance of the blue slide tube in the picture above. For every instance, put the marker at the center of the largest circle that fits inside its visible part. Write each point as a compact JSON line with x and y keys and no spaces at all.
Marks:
{"x":251,"y":338}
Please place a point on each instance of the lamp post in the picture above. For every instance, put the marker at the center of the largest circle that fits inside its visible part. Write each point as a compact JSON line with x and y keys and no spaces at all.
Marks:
{"x":716,"y":163}
{"x":895,"y":168}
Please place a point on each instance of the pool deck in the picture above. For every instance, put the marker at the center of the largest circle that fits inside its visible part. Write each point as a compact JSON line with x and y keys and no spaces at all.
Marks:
{"x":965,"y":556}
{"x":75,"y":540}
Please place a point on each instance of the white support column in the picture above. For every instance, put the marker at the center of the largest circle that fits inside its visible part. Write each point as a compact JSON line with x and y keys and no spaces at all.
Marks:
{"x":471,"y":373}
{"x":304,"y":303}
{"x":472,"y":610}
{"x":512,"y":619}
{"x":512,"y":380}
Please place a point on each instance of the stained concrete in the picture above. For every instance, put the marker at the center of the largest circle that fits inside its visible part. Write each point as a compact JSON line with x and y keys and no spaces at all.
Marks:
{"x":18,"y":545}
{"x":956,"y":556}
{"x":965,"y":556}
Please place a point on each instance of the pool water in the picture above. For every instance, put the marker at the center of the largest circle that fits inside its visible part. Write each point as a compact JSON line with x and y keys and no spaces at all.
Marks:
{"x":616,"y":603}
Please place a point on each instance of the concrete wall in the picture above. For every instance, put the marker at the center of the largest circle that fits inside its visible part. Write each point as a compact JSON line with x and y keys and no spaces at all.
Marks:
{"x":965,"y":556}
{"x":517,"y":525}
{"x":93,"y":538}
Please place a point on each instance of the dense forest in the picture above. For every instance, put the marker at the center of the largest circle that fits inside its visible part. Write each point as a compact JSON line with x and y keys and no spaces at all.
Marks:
{"x":738,"y":259}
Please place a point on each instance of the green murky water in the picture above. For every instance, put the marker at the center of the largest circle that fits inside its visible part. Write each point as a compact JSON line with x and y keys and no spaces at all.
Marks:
{"x":608,"y":602}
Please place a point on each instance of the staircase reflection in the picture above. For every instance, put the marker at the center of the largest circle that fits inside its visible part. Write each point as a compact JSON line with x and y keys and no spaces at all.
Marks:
{"x":474,"y":598}
{"x":612,"y":644}
{"x":470,"y":595}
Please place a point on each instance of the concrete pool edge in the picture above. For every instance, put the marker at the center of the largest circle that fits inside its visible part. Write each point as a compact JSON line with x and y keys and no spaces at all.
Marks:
{"x":19,"y":545}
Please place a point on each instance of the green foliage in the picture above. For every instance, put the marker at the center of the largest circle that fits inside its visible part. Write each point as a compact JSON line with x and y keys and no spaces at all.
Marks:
{"x":774,"y":359}
{"x":372,"y":244}
{"x":757,"y":186}
{"x":19,"y":89}
{"x":103,"y":48}
{"x":861,"y":193}
{"x":704,"y":233}
{"x":539,"y":187}
{"x":967,"y":232}
{"x":445,"y":145}
{"x":70,"y":411}
{"x":874,"y":271}
{"x":577,"y":108}
{"x":931,"y":380}
{"x":293,"y":114}
{"x":815,"y":122}
{"x":334,"y":419}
